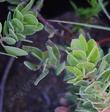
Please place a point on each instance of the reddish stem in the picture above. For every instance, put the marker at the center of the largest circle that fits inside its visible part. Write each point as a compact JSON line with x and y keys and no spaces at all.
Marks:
{"x":104,"y":41}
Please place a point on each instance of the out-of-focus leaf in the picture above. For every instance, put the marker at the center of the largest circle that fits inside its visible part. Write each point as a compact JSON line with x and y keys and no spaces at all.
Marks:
{"x":9,"y":40}
{"x":30,"y":65}
{"x":15,"y":51}
{"x":30,"y":19}
{"x":74,"y":70}
{"x":17,"y":14}
{"x":10,"y":26}
{"x":42,"y":76}
{"x":9,"y":16}
{"x":18,"y":25}
{"x":79,"y":55}
{"x":51,"y":55}
{"x":83,"y":42}
{"x":30,"y":29}
{"x":5,"y":28}
{"x":20,"y":36}
{"x":60,"y":68}
{"x":94,"y":55}
{"x":75,"y":44}
{"x":12,"y":34}
{"x":35,"y":52}
{"x":71,"y":60}
{"x":104,"y":76}
{"x":0,"y":28}
{"x":27,"y":7}
{"x":91,"y":44}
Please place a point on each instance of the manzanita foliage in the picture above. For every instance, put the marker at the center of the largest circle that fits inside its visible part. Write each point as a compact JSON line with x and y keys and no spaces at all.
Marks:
{"x":91,"y":74}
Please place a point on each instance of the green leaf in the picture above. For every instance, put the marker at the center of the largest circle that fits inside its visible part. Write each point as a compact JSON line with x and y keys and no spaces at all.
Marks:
{"x":40,"y":26}
{"x":86,"y":65}
{"x":5,"y":28}
{"x":75,"y":44}
{"x":41,"y":76}
{"x":12,"y":34}
{"x":20,"y":36}
{"x":83,"y":42}
{"x":30,"y":19}
{"x":56,"y":51}
{"x":14,"y":2}
{"x":17,"y":14}
{"x":27,"y":7}
{"x":74,"y":70}
{"x":104,"y":76}
{"x":71,"y":60}
{"x":91,"y":44}
{"x":30,"y":29}
{"x":51,"y":55}
{"x":30,"y":65}
{"x":75,"y":81}
{"x":35,"y":52}
{"x":60,"y":68}
{"x":79,"y":55}
{"x":15,"y":51}
{"x":10,"y":26}
{"x":9,"y":40}
{"x":0,"y":28}
{"x":2,"y":53}
{"x":18,"y":25}
{"x":9,"y":16}
{"x":94,"y":55}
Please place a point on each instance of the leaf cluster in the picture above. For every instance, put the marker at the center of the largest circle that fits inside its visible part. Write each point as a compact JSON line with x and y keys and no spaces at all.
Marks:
{"x":91,"y":73}
{"x":49,"y":59}
{"x":88,"y":13}
{"x":21,"y":23}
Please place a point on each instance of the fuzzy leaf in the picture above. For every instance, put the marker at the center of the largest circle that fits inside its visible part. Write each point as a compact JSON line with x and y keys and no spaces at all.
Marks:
{"x":41,"y":76}
{"x":10,"y":25}
{"x":17,"y":14}
{"x":60,"y":68}
{"x":18,"y":25}
{"x":83,"y":42}
{"x":71,"y":60}
{"x":30,"y":29}
{"x":79,"y":55}
{"x":9,"y":40}
{"x":30,"y":65}
{"x":94,"y":55}
{"x":20,"y":36}
{"x":51,"y":55}
{"x":0,"y":28}
{"x":15,"y":51}
{"x":74,"y":70}
{"x":12,"y":34}
{"x":91,"y":44}
{"x":75,"y":44}
{"x":35,"y":51}
{"x":30,"y":19}
{"x":27,"y":7}
{"x":5,"y":28}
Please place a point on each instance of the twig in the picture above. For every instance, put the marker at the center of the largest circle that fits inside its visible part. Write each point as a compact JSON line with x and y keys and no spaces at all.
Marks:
{"x":103,"y":41}
{"x":46,"y":23}
{"x":4,"y":79}
{"x":104,"y":9}
{"x":82,"y":24}
{"x":3,"y":82}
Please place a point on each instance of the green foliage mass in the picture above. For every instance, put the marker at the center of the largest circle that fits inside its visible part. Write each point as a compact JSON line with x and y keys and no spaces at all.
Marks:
{"x":91,"y":73}
{"x":88,"y":13}
{"x":21,"y":23}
